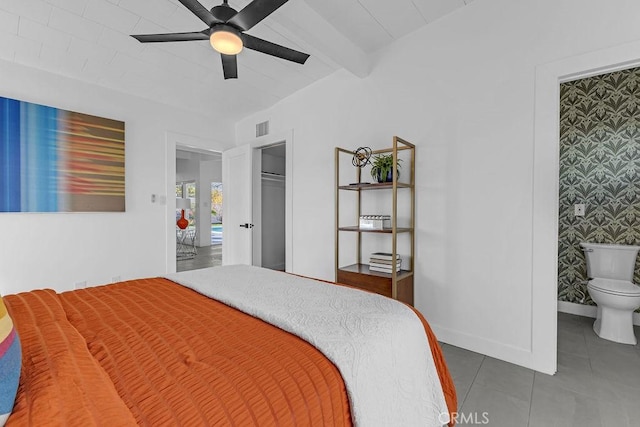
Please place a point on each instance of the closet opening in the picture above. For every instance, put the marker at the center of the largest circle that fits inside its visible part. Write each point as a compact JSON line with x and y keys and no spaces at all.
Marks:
{"x":272,"y":206}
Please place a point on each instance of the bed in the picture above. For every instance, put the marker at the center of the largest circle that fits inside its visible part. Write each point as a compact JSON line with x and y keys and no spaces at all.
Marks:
{"x":233,"y":345}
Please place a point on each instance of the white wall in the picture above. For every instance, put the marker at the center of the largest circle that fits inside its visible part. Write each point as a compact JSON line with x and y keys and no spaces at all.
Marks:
{"x":462,"y":89}
{"x":187,"y":170}
{"x":58,"y":250}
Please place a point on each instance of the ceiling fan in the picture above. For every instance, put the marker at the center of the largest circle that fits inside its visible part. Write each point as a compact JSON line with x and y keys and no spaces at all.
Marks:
{"x":226,"y":32}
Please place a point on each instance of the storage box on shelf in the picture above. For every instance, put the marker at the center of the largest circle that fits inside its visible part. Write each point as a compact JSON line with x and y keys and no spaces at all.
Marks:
{"x":379,"y":275}
{"x":375,"y":222}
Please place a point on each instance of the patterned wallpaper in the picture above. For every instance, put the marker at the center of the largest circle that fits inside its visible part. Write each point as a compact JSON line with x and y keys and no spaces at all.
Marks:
{"x":600,"y":167}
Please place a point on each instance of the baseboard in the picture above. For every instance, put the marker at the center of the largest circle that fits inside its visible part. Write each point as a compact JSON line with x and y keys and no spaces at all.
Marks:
{"x":586,"y":310}
{"x":517,"y":355}
{"x":508,"y":353}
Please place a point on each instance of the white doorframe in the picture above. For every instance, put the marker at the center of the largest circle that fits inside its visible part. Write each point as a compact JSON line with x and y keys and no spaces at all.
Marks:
{"x":545,"y":188}
{"x":256,"y":146}
{"x":173,"y":140}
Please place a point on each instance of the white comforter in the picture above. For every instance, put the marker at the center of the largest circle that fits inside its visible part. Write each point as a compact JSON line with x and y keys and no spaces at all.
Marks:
{"x":378,"y":344}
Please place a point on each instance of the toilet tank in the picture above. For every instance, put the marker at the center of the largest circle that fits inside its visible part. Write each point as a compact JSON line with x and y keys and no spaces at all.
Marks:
{"x":610,"y":261}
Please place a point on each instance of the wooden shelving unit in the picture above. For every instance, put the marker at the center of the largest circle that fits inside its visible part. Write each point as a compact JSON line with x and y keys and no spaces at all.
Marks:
{"x":397,"y":285}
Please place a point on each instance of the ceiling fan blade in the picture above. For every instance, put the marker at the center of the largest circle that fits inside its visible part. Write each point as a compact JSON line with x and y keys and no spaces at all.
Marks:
{"x":171,"y":37}
{"x":229,"y":66}
{"x":255,"y":12}
{"x":200,"y":11}
{"x":254,"y":43}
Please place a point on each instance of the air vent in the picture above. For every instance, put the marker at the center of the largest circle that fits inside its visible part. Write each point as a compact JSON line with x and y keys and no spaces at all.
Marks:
{"x":262,"y":129}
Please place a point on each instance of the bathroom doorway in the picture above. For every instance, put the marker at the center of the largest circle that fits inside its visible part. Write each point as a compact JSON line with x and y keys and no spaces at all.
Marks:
{"x":599,"y":165}
{"x":549,"y":76}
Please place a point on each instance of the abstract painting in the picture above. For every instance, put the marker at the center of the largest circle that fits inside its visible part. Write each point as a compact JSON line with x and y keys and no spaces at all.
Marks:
{"x":54,"y":160}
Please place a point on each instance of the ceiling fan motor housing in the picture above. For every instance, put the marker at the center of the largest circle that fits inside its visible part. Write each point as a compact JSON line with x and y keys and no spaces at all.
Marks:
{"x":223,"y":12}
{"x":224,"y":27}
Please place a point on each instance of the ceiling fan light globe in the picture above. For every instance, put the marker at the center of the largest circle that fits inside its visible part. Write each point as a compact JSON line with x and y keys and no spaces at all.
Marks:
{"x":226,"y":42}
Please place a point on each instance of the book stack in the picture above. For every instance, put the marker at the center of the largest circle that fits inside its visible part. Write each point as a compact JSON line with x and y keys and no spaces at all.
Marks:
{"x":383,"y":262}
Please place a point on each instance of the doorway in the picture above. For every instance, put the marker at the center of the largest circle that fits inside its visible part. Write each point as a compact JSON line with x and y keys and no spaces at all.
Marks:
{"x":243,"y":183}
{"x":598,"y":169}
{"x":198,"y":180}
{"x":216,"y":213}
{"x":543,"y":356}
{"x":272,"y":206}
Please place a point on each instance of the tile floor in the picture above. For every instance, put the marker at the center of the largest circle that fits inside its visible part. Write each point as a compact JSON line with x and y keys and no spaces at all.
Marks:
{"x":208,"y":256}
{"x":597,"y":384}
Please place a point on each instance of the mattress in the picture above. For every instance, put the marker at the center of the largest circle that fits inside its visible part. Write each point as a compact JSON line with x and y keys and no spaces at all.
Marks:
{"x":152,"y":352}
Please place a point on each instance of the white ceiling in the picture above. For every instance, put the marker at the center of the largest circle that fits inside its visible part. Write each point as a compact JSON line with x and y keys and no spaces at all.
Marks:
{"x":89,"y":40}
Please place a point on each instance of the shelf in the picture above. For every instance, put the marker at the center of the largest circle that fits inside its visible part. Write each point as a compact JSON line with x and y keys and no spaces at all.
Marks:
{"x":385,"y":231}
{"x":376,"y":186}
{"x":399,"y":200}
{"x":364,"y":269}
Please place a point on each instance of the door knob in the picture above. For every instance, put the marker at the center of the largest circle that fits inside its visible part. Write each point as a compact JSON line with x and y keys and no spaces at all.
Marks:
{"x":246,"y":225}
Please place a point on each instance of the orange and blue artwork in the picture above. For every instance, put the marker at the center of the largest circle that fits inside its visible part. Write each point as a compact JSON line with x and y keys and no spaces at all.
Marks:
{"x":53,"y":160}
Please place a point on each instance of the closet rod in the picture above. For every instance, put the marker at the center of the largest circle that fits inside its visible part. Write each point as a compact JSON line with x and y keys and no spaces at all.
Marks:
{"x":273,"y":176}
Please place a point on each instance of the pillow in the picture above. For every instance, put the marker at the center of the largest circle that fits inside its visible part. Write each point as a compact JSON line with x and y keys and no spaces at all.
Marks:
{"x":10,"y":363}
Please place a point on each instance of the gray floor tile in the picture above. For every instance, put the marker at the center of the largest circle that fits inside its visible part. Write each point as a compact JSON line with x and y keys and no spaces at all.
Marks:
{"x":572,"y":323}
{"x":513,"y":380}
{"x":572,"y":318}
{"x":570,"y":362}
{"x":554,"y":406}
{"x":207,"y":256}
{"x":572,"y":341}
{"x":597,"y":384}
{"x":606,"y":390}
{"x":574,"y":373}
{"x":497,"y":407}
{"x":463,"y":366}
{"x":606,"y":350}
{"x":633,"y":413}
{"x":622,"y":374}
{"x":619,"y":365}
{"x":618,"y":414}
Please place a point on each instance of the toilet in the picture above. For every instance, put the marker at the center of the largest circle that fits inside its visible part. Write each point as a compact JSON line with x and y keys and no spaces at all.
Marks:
{"x":610,"y":269}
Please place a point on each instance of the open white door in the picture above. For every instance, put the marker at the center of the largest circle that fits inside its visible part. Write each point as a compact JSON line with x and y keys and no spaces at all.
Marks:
{"x":237,"y":207}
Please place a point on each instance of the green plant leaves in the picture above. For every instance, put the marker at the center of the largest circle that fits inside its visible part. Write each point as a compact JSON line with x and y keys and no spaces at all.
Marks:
{"x":382,"y":165}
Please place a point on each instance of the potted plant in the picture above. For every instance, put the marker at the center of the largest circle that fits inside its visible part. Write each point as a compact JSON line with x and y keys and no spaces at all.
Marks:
{"x":382,"y":168}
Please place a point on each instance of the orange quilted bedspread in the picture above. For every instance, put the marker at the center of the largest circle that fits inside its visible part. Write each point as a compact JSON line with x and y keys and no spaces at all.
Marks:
{"x":154,"y":353}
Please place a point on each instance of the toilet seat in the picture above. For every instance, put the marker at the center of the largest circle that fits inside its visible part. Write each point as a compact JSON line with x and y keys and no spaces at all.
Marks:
{"x":615,"y":287}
